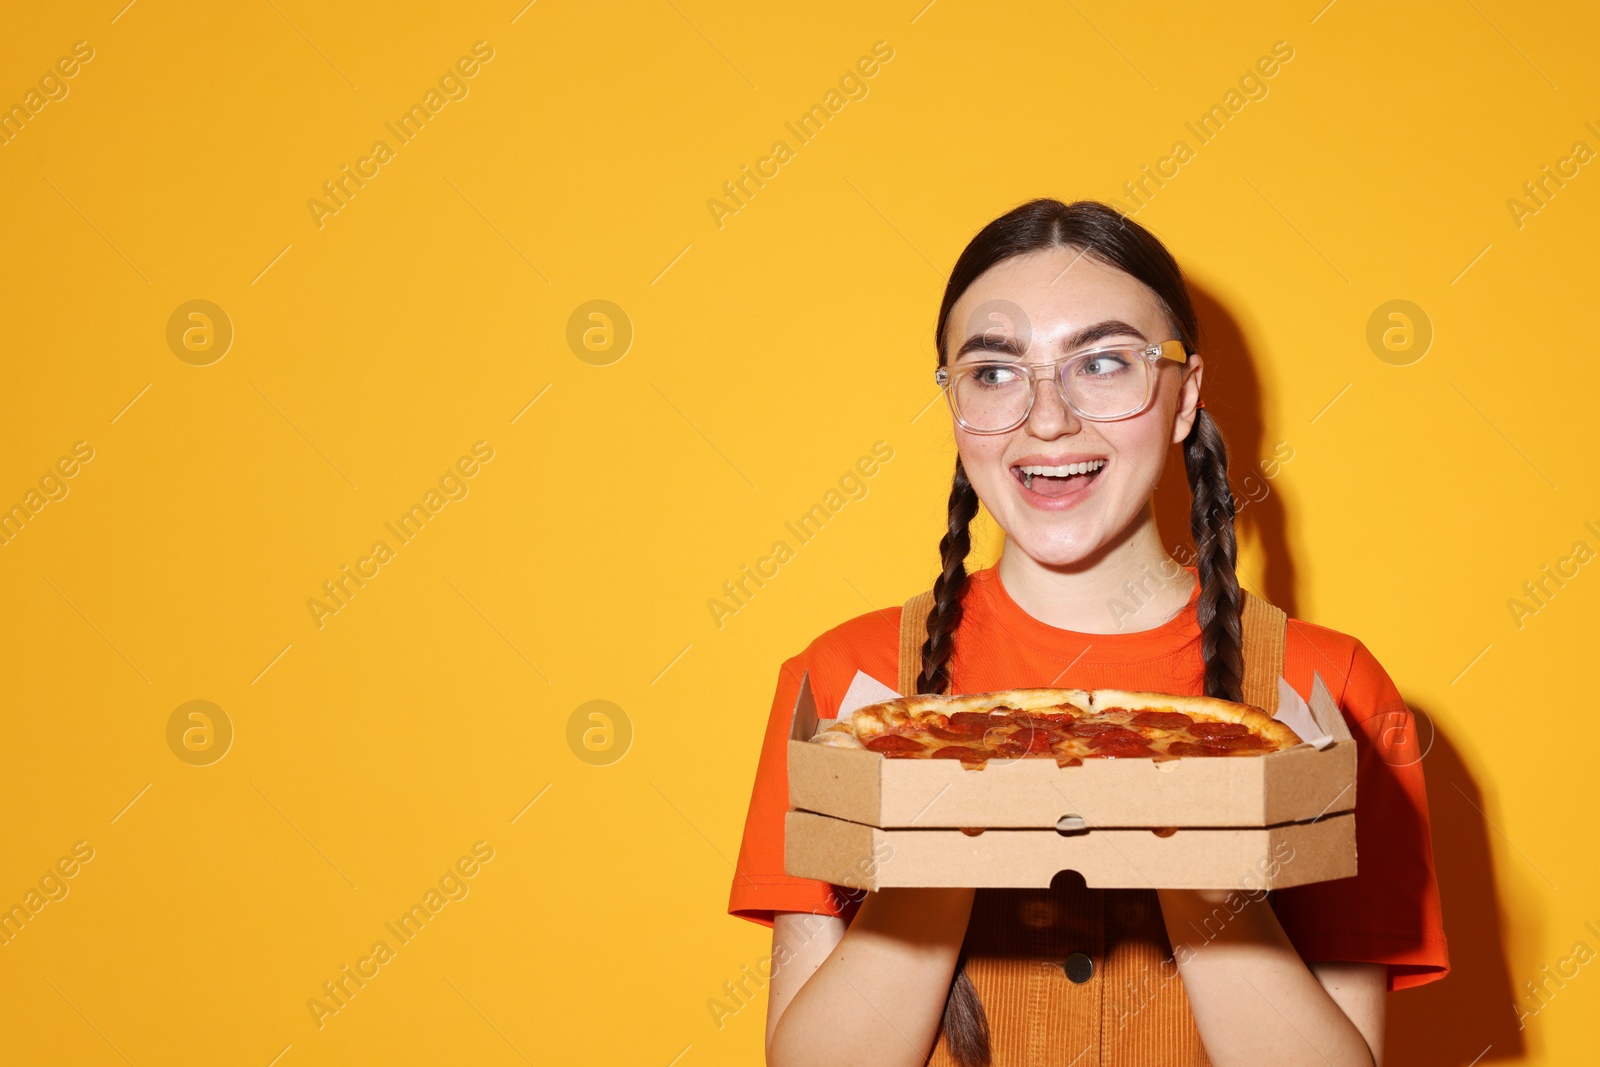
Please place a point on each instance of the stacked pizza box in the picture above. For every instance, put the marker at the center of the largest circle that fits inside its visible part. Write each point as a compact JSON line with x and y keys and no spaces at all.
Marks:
{"x":1286,"y":818}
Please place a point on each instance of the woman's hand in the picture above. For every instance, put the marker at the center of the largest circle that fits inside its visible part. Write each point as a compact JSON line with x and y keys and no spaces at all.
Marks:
{"x":872,"y":992}
{"x":1255,"y":1000}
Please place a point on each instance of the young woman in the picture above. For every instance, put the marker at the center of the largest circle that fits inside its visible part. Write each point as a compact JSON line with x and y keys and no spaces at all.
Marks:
{"x":1070,"y":354}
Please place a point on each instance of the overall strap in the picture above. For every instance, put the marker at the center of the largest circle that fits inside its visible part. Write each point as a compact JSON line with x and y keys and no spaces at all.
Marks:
{"x":1263,"y":625}
{"x":913,"y":632}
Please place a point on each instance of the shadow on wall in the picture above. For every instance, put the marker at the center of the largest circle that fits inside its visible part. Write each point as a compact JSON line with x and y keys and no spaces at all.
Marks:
{"x":1232,"y":392}
{"x":1469,"y":1014}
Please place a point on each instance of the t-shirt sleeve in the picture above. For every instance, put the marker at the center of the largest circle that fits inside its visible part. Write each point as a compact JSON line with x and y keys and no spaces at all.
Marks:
{"x":1389,"y":912}
{"x":760,"y":887}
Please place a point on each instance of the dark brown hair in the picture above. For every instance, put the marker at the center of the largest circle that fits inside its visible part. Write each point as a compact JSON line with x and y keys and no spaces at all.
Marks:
{"x":1106,"y":235}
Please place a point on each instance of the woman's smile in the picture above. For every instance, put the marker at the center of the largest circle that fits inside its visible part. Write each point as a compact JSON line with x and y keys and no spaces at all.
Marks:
{"x":1054,"y":483}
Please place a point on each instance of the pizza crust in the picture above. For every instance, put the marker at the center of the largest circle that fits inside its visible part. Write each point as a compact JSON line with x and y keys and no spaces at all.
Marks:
{"x":839,"y":735}
{"x":873,"y":720}
{"x":1210,"y":709}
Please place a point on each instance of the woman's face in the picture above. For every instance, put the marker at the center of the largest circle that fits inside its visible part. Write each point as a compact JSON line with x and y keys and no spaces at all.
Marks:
{"x":1058,"y":302}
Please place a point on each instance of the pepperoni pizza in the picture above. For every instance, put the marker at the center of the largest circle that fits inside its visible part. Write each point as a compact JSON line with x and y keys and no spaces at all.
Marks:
{"x":1070,"y":725}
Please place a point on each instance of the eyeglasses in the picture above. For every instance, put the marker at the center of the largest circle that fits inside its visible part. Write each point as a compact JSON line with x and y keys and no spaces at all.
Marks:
{"x":1102,"y":384}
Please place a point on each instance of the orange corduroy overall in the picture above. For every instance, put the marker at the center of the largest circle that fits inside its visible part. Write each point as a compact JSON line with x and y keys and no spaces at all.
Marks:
{"x":1077,"y":976}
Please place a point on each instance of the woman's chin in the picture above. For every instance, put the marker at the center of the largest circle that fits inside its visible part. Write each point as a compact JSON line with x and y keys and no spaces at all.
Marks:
{"x":1052,"y":553}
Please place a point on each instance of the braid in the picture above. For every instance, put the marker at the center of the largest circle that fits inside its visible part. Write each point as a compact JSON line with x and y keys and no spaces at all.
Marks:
{"x":1211,"y":520}
{"x":966,"y":1025}
{"x":951,"y":584}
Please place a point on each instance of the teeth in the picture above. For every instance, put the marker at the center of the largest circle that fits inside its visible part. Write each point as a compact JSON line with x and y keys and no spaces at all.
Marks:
{"x":1032,"y":470}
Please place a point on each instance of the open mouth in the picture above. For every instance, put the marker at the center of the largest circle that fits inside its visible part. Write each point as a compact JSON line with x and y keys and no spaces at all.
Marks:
{"x":1057,"y":481}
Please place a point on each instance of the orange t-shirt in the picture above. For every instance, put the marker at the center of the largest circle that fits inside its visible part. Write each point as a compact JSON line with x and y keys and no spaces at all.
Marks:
{"x":1388,"y":913}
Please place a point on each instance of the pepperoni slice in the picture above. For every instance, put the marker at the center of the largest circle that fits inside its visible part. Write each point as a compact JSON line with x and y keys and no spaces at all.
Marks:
{"x":965,"y":725}
{"x":1162,"y":720}
{"x":1035,"y":742}
{"x":1039,"y":720}
{"x":961,"y":752}
{"x":893,"y":744}
{"x":1247,"y":743}
{"x":1092,"y":729}
{"x":1208,"y":730}
{"x":1117,"y":735}
{"x":1225,"y":746}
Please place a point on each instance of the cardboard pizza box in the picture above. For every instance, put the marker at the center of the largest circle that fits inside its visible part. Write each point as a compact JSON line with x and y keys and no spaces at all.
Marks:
{"x":1270,"y":857}
{"x":1292,"y":785}
{"x":865,"y":821}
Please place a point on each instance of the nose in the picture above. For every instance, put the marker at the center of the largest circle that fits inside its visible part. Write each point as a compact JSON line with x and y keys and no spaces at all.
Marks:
{"x":1050,"y":417}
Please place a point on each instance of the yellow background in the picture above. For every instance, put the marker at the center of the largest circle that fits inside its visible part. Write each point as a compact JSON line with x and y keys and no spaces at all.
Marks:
{"x":768,"y":354}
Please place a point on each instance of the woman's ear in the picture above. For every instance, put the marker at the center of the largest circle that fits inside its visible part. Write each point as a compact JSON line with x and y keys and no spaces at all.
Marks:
{"x":1188,"y":397}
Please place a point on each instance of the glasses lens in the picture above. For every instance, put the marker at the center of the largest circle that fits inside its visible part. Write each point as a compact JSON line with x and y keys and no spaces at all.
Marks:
{"x":990,"y":396}
{"x":1104,"y":384}
{"x":1107,"y":382}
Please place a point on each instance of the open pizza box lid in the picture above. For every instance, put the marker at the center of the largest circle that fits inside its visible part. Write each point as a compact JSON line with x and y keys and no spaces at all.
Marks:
{"x":1309,"y":781}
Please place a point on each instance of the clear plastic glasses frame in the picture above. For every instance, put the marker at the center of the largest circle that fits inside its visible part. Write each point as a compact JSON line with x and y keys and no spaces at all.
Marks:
{"x":1059,"y":370}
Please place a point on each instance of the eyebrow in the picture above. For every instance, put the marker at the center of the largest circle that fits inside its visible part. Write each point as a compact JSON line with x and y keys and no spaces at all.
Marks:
{"x":989,"y":341}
